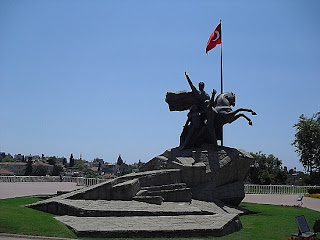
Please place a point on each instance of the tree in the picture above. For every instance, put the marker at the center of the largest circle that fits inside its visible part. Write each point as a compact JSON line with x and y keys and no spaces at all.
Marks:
{"x":57,"y":170}
{"x":8,"y":158}
{"x":119,"y":161}
{"x":80,"y":165}
{"x":52,"y":160}
{"x":266,"y":170}
{"x":29,"y":167}
{"x":64,"y":162}
{"x":39,"y":170}
{"x":307,"y":142}
{"x":92,"y":174}
{"x":71,"y":164}
{"x":99,"y":167}
{"x":125,"y":169}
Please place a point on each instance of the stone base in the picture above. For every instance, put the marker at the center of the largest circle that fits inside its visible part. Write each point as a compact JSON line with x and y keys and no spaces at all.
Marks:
{"x":102,"y":218}
{"x":150,"y":226}
{"x":167,"y":197}
{"x":211,"y":172}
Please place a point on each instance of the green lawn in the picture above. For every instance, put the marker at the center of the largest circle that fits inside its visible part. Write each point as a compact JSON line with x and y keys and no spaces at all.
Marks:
{"x":14,"y":218}
{"x":264,"y":222}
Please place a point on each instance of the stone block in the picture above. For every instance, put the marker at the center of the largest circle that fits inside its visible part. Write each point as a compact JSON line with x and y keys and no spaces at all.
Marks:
{"x":159,"y":162}
{"x":174,"y":195}
{"x":126,"y":190}
{"x":164,"y":187}
{"x":149,"y":199}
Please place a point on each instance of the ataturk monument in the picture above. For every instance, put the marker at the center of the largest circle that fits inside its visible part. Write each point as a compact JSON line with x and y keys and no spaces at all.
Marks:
{"x":190,"y":190}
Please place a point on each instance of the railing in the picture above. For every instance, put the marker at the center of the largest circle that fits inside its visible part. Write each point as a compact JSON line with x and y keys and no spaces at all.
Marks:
{"x":29,"y":179}
{"x":80,"y":181}
{"x":276,"y":189}
{"x":89,"y":181}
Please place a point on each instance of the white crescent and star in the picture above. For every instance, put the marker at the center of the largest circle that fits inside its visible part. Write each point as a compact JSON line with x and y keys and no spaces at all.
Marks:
{"x":218,"y":35}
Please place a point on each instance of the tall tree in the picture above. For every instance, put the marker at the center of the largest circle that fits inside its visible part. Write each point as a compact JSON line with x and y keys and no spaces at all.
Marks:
{"x":64,"y":162}
{"x":29,"y":167}
{"x":99,"y":167}
{"x":266,"y":170}
{"x":119,"y":161}
{"x":307,"y":142}
{"x":71,"y":164}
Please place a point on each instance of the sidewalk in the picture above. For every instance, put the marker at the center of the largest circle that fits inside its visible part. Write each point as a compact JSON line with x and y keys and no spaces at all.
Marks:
{"x":20,"y":189}
{"x":283,"y":199}
{"x":5,"y":236}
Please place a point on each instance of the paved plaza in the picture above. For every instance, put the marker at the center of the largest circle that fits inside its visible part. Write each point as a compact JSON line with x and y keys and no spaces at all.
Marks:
{"x":283,"y":199}
{"x":20,"y":189}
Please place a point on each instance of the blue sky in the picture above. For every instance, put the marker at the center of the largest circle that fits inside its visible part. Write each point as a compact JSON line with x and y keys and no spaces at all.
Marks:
{"x":90,"y":77}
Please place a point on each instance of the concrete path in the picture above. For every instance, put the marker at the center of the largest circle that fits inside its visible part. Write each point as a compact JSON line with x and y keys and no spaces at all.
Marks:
{"x":5,"y":236}
{"x":283,"y":199}
{"x":20,"y":189}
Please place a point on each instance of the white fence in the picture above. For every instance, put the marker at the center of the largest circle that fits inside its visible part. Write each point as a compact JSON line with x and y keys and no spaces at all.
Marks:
{"x":89,"y":181}
{"x":276,"y":189}
{"x":80,"y":181}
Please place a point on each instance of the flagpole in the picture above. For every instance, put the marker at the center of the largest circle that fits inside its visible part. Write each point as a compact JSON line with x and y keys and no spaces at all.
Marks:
{"x":221,"y":75}
{"x":221,"y":57}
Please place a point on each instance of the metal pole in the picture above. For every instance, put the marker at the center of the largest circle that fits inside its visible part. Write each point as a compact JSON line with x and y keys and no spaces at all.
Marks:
{"x":221,"y":75}
{"x":221,"y":56}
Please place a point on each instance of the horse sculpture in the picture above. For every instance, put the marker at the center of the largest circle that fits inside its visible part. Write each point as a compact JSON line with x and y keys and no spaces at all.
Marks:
{"x":206,"y":116}
{"x":225,"y":114}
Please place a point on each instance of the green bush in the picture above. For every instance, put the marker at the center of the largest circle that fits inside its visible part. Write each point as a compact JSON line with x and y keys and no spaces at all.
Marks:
{"x":313,"y":190}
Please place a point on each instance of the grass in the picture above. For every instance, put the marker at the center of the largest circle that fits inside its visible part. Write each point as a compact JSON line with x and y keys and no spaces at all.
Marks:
{"x":271,"y":222}
{"x":15,"y":218}
{"x":264,"y":222}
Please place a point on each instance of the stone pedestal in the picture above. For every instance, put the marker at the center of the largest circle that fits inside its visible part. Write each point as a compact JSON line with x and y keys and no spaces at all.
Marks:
{"x":177,"y":194}
{"x":212,"y":172}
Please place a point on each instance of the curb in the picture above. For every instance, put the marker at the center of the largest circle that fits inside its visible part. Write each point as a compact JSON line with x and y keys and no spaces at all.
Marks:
{"x":18,"y":236}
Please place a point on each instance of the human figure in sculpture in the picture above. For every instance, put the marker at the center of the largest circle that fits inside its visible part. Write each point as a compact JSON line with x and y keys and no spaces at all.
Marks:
{"x":200,"y":95}
{"x":192,"y":126}
{"x":206,"y":115}
{"x":211,"y":114}
{"x":207,"y":133}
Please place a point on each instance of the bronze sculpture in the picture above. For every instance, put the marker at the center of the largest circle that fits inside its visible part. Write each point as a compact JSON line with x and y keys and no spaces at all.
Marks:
{"x":206,"y":116}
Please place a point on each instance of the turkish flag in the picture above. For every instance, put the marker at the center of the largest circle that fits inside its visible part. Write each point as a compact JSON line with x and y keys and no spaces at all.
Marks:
{"x":214,"y":39}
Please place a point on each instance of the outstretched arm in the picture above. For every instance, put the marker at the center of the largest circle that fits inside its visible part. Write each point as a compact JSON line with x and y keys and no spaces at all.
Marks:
{"x":193,"y":88}
{"x":187,"y":122}
{"x":213,"y":94}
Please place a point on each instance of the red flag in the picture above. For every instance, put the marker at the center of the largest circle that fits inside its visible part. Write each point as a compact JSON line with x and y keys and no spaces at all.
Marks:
{"x":215,"y":38}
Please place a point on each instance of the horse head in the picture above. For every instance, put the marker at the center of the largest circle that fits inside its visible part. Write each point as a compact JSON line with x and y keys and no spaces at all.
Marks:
{"x":227,"y":99}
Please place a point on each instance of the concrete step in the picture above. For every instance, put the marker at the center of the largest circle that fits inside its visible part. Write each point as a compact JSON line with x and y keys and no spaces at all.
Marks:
{"x":165,"y":187}
{"x":153,"y":226}
{"x":171,"y":195}
{"x":103,"y":208}
{"x":149,"y":199}
{"x":155,"y":177}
